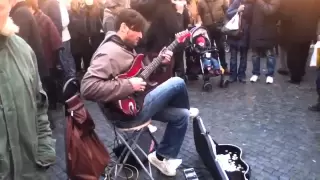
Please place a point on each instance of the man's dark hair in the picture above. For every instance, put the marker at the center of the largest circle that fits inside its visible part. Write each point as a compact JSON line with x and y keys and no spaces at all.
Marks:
{"x":132,"y":18}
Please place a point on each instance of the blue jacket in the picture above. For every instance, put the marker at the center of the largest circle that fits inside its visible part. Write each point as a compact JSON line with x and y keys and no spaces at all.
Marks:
{"x":232,"y":10}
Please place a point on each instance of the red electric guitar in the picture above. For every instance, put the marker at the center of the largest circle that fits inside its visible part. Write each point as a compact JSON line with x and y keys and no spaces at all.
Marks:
{"x":132,"y":104}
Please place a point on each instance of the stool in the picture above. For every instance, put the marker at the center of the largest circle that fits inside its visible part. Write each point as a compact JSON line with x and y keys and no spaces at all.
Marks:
{"x":130,"y":144}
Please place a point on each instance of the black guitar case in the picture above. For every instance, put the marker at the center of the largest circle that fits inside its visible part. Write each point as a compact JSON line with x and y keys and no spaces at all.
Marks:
{"x":209,"y":149}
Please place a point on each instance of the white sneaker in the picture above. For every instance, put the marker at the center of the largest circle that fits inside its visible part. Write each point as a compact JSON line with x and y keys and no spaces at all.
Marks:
{"x":194,"y":112}
{"x":152,"y":128}
{"x":254,"y":78}
{"x":167,"y":167}
{"x":269,"y":80}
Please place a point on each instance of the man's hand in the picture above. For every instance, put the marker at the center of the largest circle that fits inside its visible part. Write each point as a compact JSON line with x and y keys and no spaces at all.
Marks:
{"x":166,"y":55}
{"x":138,"y":84}
{"x":241,"y":8}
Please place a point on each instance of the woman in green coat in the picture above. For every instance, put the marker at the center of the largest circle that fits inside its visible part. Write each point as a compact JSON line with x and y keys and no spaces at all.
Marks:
{"x":27,"y":148}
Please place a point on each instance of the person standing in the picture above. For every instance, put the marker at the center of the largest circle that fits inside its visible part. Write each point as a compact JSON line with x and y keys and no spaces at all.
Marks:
{"x":66,"y":58}
{"x":263,"y":36}
{"x":239,"y":44}
{"x":298,"y":29}
{"x":212,"y":13}
{"x":29,"y":31}
{"x":27,"y":148}
{"x":52,"y":9}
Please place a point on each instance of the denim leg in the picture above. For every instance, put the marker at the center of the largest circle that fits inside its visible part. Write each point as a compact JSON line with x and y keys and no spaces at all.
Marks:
{"x":67,"y":61}
{"x":243,"y":63}
{"x":169,"y":103}
{"x":233,"y":62}
{"x":271,"y":62}
{"x":256,"y":62}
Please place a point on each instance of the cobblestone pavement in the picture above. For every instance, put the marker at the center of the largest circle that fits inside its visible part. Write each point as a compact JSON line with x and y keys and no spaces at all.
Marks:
{"x":279,"y":136}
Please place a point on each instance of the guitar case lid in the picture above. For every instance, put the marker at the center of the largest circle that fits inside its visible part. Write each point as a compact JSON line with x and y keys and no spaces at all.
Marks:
{"x":206,"y":148}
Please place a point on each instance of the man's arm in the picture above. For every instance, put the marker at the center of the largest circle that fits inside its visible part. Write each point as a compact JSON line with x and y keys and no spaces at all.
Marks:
{"x":233,"y":8}
{"x":99,"y":84}
{"x":200,"y":9}
{"x":46,"y":154}
{"x":270,"y":7}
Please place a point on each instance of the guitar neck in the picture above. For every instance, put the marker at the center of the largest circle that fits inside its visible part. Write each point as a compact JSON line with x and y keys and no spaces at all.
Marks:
{"x":156,"y":62}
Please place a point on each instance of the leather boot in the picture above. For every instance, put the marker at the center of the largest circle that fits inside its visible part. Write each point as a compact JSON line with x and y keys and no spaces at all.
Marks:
{"x":316,"y":107}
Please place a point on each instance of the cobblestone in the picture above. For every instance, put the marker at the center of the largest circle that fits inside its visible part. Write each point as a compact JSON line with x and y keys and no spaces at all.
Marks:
{"x":279,"y":136}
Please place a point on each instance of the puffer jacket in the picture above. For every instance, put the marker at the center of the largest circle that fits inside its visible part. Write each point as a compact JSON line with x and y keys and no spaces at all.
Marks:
{"x":212,"y":11}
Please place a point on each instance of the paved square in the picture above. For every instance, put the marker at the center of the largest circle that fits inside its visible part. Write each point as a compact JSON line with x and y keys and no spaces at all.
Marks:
{"x":279,"y":136}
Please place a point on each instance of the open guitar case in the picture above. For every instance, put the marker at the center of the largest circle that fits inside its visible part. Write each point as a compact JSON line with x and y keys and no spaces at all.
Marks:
{"x":208,"y":150}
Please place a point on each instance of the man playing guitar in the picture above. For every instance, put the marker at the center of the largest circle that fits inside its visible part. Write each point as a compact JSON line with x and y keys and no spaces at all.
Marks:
{"x":168,"y":102}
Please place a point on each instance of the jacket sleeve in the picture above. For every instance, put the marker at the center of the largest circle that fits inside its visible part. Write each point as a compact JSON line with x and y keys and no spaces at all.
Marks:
{"x":99,"y":83}
{"x":46,"y":144}
{"x":55,"y":15}
{"x":108,"y":24}
{"x":318,"y":29}
{"x":200,"y":9}
{"x":269,"y":7}
{"x":233,"y":8}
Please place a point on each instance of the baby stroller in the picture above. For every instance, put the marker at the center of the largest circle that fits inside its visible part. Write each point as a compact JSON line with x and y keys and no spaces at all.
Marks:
{"x":202,"y":53}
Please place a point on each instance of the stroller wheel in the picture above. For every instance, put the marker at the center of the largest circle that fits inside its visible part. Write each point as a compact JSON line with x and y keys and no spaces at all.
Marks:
{"x":207,"y":87}
{"x":224,"y":83}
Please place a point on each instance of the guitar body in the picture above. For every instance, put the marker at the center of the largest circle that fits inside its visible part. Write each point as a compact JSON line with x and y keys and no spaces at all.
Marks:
{"x":133,"y":104}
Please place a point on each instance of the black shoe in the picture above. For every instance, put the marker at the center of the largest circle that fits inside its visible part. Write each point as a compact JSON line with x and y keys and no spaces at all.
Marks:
{"x":315,"y":108}
{"x":283,"y":72}
{"x":296,"y":82}
{"x":242,"y":80}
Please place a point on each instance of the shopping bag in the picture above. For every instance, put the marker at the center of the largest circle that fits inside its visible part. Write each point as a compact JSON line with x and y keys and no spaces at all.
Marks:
{"x":315,"y":58}
{"x":233,"y":24}
{"x":233,"y":27}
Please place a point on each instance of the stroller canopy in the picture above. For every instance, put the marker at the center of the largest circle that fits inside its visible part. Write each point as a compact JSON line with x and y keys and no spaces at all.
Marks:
{"x":199,"y":31}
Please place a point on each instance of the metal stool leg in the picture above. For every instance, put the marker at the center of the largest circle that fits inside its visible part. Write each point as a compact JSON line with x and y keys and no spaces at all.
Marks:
{"x":131,"y":151}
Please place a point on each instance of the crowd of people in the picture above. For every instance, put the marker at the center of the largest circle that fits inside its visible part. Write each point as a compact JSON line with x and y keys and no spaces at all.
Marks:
{"x":43,"y":43}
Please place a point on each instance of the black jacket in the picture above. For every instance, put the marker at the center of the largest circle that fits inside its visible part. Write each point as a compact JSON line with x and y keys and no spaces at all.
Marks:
{"x":263,"y":23}
{"x":28,"y":30}
{"x":165,"y":23}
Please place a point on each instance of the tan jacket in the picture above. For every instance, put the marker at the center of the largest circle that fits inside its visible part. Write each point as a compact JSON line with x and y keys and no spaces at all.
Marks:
{"x":193,"y":12}
{"x":212,"y":11}
{"x":99,"y":83}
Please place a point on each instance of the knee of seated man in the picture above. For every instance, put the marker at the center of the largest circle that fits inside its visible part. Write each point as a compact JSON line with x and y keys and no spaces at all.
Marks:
{"x":177,"y":81}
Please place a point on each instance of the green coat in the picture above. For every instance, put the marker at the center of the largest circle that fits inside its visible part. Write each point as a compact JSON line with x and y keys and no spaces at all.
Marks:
{"x":26,"y":143}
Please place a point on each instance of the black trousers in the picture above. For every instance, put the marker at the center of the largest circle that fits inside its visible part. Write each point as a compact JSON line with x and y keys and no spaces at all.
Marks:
{"x":297,"y":56}
{"x":218,"y":37}
{"x":50,"y":86}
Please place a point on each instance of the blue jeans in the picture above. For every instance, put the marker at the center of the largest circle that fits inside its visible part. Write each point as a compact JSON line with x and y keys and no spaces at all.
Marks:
{"x":168,"y":103}
{"x":67,"y":61}
{"x":210,"y":62}
{"x":257,"y":53}
{"x":235,"y":71}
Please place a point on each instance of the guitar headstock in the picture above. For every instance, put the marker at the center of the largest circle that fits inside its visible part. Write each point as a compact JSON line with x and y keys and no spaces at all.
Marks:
{"x":182,"y":36}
